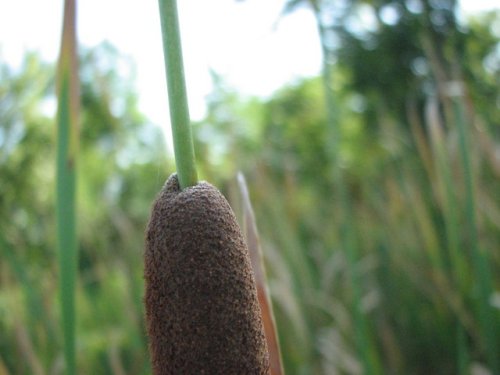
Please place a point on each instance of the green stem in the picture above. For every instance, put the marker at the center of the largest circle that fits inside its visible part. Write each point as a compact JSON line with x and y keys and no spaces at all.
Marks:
{"x":67,"y":145}
{"x":177,"y":97}
{"x":66,"y":233}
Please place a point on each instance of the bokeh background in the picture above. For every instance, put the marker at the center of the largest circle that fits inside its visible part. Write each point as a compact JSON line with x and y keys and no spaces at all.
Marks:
{"x":369,"y":135}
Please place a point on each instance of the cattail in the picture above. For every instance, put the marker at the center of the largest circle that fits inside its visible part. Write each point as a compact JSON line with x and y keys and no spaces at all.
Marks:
{"x":202,"y":311}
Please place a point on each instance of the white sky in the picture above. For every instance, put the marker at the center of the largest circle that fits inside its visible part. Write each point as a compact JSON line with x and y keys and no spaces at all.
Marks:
{"x":236,"y":39}
{"x":240,"y":40}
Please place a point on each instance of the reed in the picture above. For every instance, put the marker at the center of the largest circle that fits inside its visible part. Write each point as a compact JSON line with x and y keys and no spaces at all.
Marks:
{"x":67,"y":150}
{"x":202,"y":309}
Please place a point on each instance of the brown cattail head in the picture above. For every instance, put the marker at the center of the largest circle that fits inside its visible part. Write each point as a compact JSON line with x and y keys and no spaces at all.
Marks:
{"x":202,"y":311}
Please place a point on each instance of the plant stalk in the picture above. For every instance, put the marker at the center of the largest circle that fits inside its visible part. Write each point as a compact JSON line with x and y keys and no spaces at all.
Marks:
{"x":177,"y":97}
{"x":67,"y":145}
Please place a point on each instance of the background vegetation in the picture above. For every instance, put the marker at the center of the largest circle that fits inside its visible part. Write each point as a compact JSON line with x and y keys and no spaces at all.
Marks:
{"x":376,"y":189}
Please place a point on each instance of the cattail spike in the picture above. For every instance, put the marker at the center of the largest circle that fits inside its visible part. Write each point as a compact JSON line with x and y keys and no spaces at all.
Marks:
{"x":202,"y":311}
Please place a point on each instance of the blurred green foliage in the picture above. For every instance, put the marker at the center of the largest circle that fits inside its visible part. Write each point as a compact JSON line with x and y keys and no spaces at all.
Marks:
{"x":400,"y":159}
{"x":122,"y":166}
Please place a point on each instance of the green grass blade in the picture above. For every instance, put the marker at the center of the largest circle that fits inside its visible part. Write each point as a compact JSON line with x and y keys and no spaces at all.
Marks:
{"x":67,"y":141}
{"x":452,"y":225}
{"x":177,"y":97}
{"x":487,"y":321}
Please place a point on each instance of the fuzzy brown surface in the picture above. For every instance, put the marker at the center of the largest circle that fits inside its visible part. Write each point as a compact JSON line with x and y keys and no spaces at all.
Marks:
{"x":202,"y":312}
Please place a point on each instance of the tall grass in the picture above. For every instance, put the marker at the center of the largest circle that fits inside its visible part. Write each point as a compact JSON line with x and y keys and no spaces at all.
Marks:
{"x":346,"y":229}
{"x":405,"y":255}
{"x":447,"y":199}
{"x":67,"y":150}
{"x":488,"y":323}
